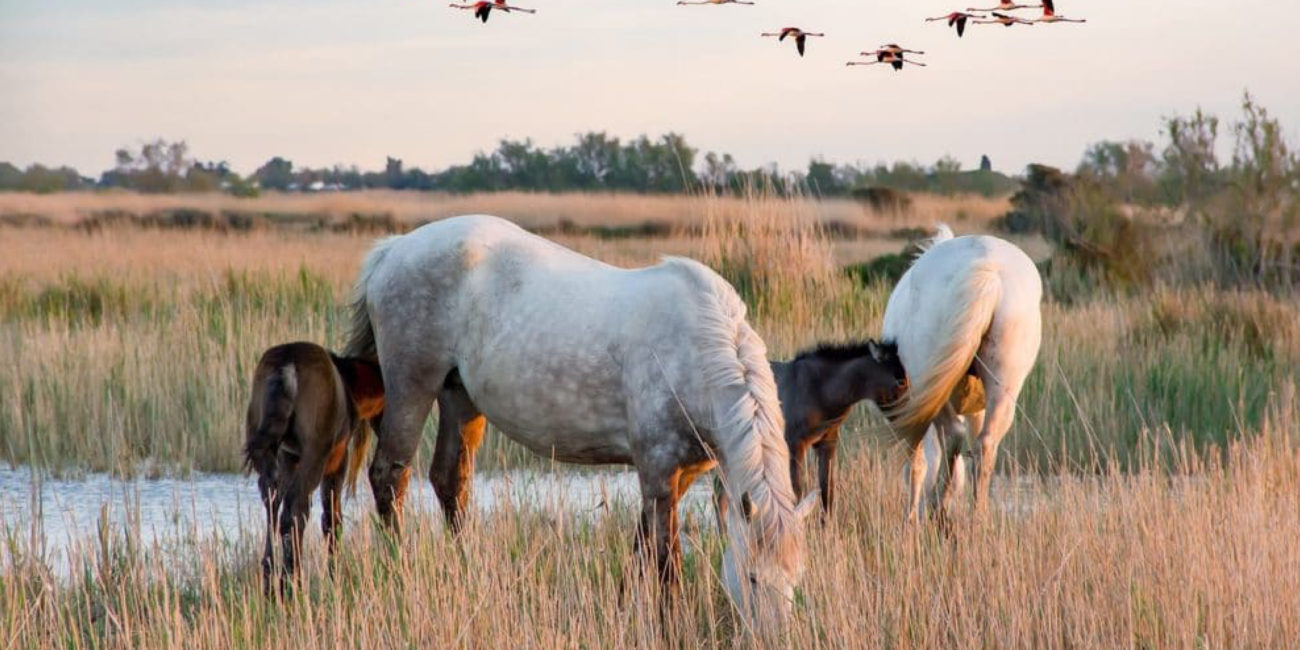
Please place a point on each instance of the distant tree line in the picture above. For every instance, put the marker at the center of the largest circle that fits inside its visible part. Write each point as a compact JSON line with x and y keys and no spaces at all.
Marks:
{"x":594,"y":162}
{"x":1115,"y":214}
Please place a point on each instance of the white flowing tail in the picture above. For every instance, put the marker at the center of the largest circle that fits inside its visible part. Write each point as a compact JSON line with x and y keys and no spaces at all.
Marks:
{"x":932,"y":382}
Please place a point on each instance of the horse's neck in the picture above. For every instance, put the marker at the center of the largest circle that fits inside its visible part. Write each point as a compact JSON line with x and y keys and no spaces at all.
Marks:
{"x":830,"y":385}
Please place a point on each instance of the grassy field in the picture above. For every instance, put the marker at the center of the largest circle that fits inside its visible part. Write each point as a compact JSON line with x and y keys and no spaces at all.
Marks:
{"x":1151,"y":488}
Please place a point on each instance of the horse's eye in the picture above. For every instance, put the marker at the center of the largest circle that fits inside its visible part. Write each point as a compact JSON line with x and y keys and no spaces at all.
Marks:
{"x":753,"y":579}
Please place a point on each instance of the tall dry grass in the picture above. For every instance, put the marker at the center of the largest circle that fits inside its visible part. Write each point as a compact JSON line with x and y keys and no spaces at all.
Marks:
{"x":1204,"y":556}
{"x":129,"y":349}
{"x":1150,"y":496}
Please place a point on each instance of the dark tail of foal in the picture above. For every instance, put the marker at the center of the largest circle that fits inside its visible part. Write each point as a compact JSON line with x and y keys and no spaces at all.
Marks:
{"x":272,"y":423}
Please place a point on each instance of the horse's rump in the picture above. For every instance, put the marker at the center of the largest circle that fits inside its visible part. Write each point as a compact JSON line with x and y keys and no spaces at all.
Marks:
{"x":270,"y":413}
{"x":938,"y":335}
{"x":301,"y":397}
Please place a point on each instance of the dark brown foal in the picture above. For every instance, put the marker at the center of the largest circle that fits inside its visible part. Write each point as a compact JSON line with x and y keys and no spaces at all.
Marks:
{"x":306,"y":406}
{"x":818,"y":389}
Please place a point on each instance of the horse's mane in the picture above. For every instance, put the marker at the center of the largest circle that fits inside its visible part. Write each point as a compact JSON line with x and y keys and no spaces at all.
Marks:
{"x":941,"y":233}
{"x":845,"y":351}
{"x":750,"y":433}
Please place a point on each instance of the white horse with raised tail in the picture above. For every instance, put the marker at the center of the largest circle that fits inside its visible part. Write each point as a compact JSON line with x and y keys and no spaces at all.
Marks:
{"x":581,"y":362}
{"x":967,"y":306}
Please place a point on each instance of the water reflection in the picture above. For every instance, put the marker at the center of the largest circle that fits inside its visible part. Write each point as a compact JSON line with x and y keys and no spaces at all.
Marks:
{"x":58,"y":518}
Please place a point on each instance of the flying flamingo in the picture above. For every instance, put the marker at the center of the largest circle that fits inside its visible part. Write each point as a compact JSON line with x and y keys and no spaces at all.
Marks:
{"x":886,"y":56}
{"x":894,"y":48}
{"x":713,"y":2}
{"x":483,"y":8}
{"x":1003,"y":19}
{"x":1005,"y":5}
{"x":1049,"y":15}
{"x":958,"y":19}
{"x":797,"y":34}
{"x":893,"y":54}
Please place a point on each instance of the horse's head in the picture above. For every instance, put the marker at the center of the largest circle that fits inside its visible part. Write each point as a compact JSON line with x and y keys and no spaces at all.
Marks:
{"x":763,"y":563}
{"x":887,"y":379}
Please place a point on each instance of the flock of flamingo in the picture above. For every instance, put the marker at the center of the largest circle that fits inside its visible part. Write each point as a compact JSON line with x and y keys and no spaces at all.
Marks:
{"x":891,"y":54}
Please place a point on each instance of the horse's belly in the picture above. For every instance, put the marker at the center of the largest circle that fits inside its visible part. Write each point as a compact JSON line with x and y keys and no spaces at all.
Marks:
{"x":566,"y":441}
{"x":574,"y":417}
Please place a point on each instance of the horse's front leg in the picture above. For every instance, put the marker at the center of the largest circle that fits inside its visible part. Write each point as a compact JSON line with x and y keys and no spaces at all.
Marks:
{"x":826,"y":448}
{"x":460,"y":431}
{"x":657,"y":538}
{"x":798,"y":454}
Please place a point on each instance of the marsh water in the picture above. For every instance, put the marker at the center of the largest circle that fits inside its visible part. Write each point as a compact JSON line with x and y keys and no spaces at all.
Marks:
{"x":59,"y":519}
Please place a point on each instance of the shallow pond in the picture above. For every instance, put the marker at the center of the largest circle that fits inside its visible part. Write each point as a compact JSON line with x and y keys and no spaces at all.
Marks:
{"x":60,"y":517}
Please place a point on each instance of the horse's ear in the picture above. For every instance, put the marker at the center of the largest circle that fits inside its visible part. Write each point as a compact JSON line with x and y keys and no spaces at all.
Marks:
{"x":806,"y":505}
{"x":874,"y":349}
{"x":746,"y":507}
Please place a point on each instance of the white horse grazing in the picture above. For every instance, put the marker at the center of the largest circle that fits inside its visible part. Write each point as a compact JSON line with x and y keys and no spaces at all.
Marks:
{"x":967,"y":306}
{"x":581,"y":362}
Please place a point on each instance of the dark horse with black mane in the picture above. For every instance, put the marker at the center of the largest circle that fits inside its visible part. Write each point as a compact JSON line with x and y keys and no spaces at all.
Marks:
{"x":306,"y":406}
{"x":818,"y":389}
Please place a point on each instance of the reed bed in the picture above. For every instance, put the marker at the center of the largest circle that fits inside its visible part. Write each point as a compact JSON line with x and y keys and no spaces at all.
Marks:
{"x":1149,"y":497}
{"x":1197,"y":555}
{"x":129,"y":350}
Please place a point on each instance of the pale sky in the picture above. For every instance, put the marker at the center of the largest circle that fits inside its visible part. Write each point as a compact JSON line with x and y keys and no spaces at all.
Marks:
{"x":333,"y":81}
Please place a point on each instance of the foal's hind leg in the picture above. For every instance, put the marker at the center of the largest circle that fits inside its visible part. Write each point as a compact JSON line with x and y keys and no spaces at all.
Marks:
{"x":460,"y":431}
{"x":271,"y":503}
{"x":331,"y":493}
{"x":300,"y":475}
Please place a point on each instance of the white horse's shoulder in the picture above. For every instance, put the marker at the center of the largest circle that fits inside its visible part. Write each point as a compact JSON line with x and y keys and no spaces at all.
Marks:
{"x":703,"y":280}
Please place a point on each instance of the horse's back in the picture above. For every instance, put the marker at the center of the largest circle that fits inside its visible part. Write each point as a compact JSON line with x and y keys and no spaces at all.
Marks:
{"x":545,"y":340}
{"x":474,"y":242}
{"x":942,"y":273}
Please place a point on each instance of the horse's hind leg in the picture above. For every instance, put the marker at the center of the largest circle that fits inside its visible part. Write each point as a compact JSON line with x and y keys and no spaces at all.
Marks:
{"x":460,"y":431}
{"x":1001,"y":409}
{"x":409,"y":401}
{"x":294,"y":505}
{"x":331,"y":493}
{"x":1002,"y":363}
{"x":271,"y":503}
{"x":920,"y":466}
